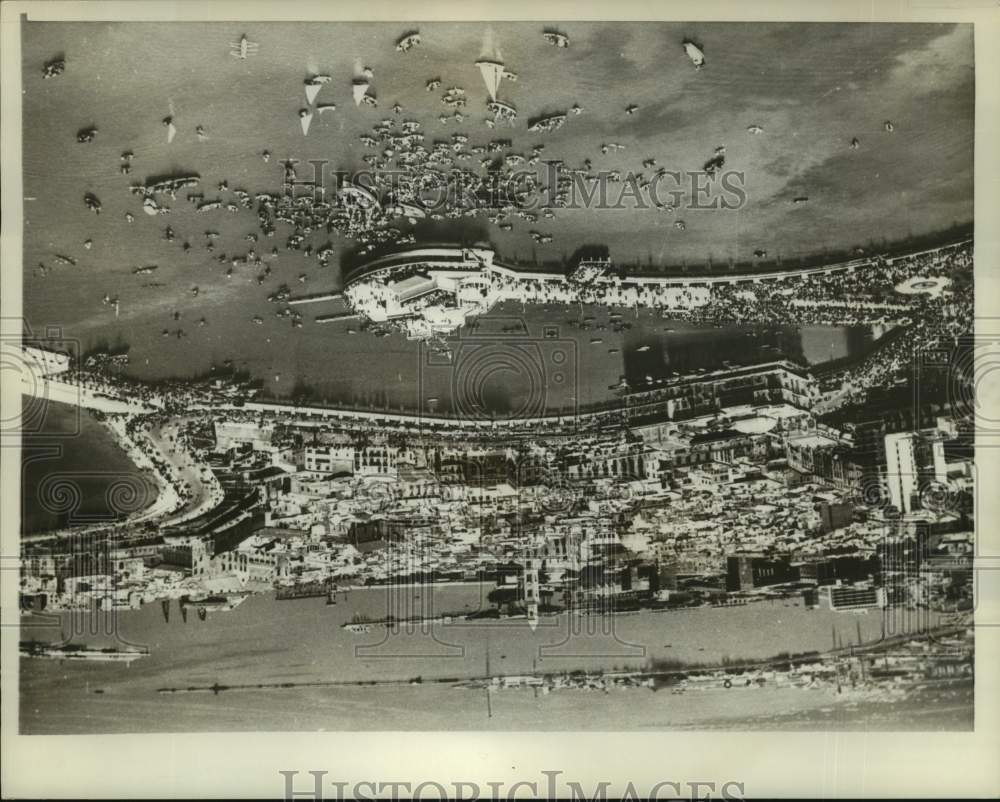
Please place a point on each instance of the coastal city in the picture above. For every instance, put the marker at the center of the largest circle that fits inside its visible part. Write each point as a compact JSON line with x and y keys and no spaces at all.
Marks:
{"x":581,"y":487}
{"x":715,"y":489}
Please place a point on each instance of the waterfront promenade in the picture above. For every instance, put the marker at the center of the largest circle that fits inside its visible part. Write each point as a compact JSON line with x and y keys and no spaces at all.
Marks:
{"x":428,"y":293}
{"x":55,"y":390}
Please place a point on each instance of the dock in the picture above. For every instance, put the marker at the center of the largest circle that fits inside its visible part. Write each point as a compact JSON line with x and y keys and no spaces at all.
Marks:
{"x":303,"y":590}
{"x":336,"y":316}
{"x":315,"y":299}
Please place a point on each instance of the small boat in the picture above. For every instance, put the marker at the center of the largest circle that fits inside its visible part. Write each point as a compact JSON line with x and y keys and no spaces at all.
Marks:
{"x":358,"y":628}
{"x":407,"y":41}
{"x":305,"y":117}
{"x":152,"y":208}
{"x":554,"y":37}
{"x":695,"y":53}
{"x":243,"y":48}
{"x":360,"y":89}
{"x":312,"y":89}
{"x":545,"y":124}
{"x":492,"y":72}
{"x":53,"y":68}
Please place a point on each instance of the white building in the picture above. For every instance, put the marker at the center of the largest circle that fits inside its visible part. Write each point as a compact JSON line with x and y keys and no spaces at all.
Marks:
{"x":901,"y":470}
{"x":330,"y":459}
{"x":910,"y":456}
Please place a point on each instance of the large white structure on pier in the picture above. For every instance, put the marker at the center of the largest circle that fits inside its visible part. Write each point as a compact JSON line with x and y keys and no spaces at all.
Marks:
{"x":434,"y":291}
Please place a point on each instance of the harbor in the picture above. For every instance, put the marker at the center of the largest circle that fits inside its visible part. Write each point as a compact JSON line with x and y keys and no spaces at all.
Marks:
{"x":212,"y":660}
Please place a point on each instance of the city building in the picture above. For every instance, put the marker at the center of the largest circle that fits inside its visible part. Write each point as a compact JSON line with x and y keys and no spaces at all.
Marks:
{"x":849,"y":597}
{"x":749,"y":571}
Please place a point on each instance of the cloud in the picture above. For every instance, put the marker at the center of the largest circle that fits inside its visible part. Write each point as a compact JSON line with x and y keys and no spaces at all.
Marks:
{"x":944,"y":62}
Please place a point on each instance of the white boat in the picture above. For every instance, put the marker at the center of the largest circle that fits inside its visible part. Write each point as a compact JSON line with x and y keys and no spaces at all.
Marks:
{"x":408,"y":40}
{"x":171,"y":132}
{"x":502,"y":110}
{"x":243,"y":48}
{"x":555,"y":38}
{"x":492,"y":72}
{"x":360,"y":89}
{"x":312,"y":89}
{"x":305,"y":117}
{"x":151,"y":207}
{"x":550,"y":123}
{"x":694,"y":53}
{"x":358,"y":628}
{"x":215,"y":604}
{"x":321,"y":107}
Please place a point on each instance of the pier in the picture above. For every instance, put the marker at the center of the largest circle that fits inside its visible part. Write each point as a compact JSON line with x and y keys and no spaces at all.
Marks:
{"x":315,"y":299}
{"x":336,"y":316}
